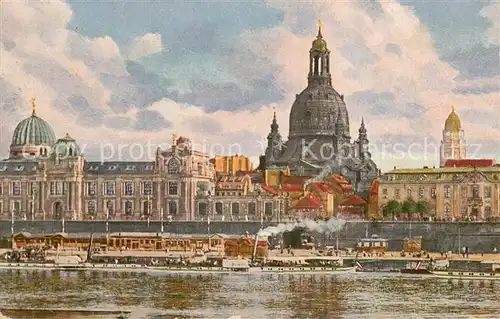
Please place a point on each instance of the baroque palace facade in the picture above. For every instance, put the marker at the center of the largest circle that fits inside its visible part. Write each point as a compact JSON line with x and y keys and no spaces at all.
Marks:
{"x":49,"y":179}
{"x":46,"y":178}
{"x":460,"y":189}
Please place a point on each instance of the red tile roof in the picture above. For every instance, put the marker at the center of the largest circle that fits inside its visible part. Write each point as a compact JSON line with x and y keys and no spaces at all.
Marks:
{"x":323,"y":187}
{"x":308,"y":202}
{"x":353,"y":200}
{"x":470,"y":163}
{"x":339,"y":179}
{"x":269,"y":189}
{"x":295,"y":180}
{"x":293,"y":189}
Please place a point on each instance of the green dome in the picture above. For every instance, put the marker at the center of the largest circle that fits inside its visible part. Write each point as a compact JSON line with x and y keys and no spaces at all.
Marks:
{"x":66,"y":147}
{"x":33,"y":131}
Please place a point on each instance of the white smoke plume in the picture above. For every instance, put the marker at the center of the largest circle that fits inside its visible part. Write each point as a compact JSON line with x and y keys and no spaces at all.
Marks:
{"x":323,"y":227}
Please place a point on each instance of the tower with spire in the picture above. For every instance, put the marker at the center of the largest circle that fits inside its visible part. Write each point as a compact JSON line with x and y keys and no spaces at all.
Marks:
{"x":453,"y":144}
{"x":319,"y":137}
{"x":363,"y":142}
{"x":274,"y":142}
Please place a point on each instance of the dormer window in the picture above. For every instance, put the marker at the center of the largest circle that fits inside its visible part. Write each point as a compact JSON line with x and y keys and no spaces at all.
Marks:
{"x":3,"y":168}
{"x":19,"y":168}
{"x":112,"y":168}
{"x":130,"y":168}
{"x":149,"y":168}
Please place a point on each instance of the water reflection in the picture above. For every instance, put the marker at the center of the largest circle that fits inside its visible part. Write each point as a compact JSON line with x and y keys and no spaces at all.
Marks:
{"x":250,"y":296}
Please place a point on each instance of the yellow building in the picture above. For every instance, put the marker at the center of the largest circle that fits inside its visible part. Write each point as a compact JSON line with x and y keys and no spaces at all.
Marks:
{"x":460,"y":189}
{"x":231,"y":165}
{"x":463,"y":189}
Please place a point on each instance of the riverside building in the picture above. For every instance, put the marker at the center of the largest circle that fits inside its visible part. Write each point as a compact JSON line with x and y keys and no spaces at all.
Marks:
{"x":460,"y":189}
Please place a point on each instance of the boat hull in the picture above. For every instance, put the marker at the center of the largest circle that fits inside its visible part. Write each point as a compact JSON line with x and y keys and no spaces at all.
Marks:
{"x":466,"y":275}
{"x":175,"y":269}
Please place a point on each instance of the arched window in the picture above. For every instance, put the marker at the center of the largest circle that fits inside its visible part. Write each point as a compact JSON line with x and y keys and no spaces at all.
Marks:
{"x":268,"y":208}
{"x":252,"y":208}
{"x":202,"y":209}
{"x":219,"y":208}
{"x":446,"y":211}
{"x":110,"y":206}
{"x":128,"y":208}
{"x":70,"y":151}
{"x":58,"y":210}
{"x":146,"y":208}
{"x":235,"y":208}
{"x":173,"y":166}
{"x":91,"y":208}
{"x":172,"y":207}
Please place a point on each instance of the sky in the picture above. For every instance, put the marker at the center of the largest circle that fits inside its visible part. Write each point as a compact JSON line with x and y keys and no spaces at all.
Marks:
{"x":121,"y":76}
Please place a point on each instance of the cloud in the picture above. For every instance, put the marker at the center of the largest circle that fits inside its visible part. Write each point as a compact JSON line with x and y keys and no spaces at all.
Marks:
{"x":145,"y":45}
{"x":477,"y":62}
{"x":492,"y":14}
{"x":151,"y":121}
{"x":383,"y":60}
{"x":478,"y":86}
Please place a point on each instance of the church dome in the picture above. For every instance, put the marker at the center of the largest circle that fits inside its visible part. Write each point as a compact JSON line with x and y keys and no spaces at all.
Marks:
{"x":33,"y":131}
{"x":319,"y":109}
{"x":453,"y":123}
{"x":66,"y":147}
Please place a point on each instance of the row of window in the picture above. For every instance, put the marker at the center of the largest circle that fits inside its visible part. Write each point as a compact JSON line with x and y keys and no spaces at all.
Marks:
{"x":174,"y":167}
{"x":235,"y":208}
{"x":128,"y":208}
{"x":109,"y":188}
{"x":128,"y":188}
{"x":465,"y":211}
{"x":446,"y":192}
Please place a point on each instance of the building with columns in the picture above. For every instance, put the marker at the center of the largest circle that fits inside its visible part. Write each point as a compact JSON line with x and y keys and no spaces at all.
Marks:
{"x":453,"y":144}
{"x":460,"y":189}
{"x":45,"y":178}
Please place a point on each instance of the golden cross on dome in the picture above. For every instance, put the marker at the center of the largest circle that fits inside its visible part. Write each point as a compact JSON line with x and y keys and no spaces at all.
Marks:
{"x":453,"y":108}
{"x":320,"y":25}
{"x":174,"y":138}
{"x":33,"y":105}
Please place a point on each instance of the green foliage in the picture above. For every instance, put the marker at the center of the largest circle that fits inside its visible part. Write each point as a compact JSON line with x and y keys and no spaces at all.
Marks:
{"x":393,"y":209}
{"x":422,"y":207}
{"x":409,"y":207}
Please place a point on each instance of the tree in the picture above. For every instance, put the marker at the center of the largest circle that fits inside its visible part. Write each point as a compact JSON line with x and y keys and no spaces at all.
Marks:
{"x":393,"y":208}
{"x":422,"y":208}
{"x":409,"y":207}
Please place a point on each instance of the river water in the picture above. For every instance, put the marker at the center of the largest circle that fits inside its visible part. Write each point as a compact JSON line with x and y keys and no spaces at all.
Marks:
{"x":360,"y":295}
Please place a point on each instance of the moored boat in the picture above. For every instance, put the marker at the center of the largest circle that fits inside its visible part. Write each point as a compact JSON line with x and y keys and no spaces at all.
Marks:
{"x":300,"y":269}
